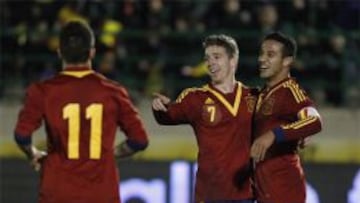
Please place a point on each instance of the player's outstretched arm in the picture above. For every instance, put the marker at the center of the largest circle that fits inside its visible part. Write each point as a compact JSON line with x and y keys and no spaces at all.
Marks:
{"x":167,"y":112}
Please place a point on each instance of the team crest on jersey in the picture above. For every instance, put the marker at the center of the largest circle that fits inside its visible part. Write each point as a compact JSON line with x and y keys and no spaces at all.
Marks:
{"x":209,"y":101}
{"x":250,"y":102}
{"x":267,"y":106}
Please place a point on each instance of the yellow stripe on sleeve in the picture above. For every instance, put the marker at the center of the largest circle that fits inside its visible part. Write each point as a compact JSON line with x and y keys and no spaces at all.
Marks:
{"x":296,"y":91}
{"x":185,"y":92}
{"x":301,"y":123}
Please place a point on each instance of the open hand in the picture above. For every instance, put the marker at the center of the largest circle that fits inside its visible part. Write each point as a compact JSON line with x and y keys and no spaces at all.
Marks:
{"x":37,"y":159}
{"x":261,"y":145}
{"x":160,"y":102}
{"x":303,"y":142}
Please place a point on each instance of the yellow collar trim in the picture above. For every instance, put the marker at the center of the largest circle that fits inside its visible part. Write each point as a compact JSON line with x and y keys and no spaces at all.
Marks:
{"x":78,"y":74}
{"x":263,"y":96}
{"x":273,"y":90}
{"x":233,"y":109}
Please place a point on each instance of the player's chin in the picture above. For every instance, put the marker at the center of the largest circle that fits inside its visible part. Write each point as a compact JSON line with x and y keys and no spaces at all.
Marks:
{"x":264,"y":74}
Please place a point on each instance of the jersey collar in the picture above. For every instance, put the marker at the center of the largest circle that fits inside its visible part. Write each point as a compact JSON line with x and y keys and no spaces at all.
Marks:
{"x":232,"y":108}
{"x":77,"y":71}
{"x":276,"y":86}
{"x":266,"y":92}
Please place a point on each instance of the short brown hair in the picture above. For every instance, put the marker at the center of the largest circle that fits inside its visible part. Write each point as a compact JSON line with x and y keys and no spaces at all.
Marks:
{"x":225,"y":41}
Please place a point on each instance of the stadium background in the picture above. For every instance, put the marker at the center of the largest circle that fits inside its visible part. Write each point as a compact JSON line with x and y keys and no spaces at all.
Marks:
{"x":155,"y":45}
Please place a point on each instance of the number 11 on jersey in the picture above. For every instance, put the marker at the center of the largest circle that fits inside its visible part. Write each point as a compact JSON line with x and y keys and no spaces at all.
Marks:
{"x":94,"y":113}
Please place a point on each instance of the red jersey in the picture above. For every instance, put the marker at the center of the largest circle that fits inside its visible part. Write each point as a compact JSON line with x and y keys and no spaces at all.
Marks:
{"x":222,"y":125}
{"x":282,"y":109}
{"x":81,"y":111}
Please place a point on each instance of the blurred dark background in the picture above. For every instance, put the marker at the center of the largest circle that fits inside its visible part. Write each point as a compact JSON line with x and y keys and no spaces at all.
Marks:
{"x":150,"y":45}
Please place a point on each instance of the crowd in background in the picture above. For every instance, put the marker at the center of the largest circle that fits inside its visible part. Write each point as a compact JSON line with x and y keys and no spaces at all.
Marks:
{"x":155,"y":45}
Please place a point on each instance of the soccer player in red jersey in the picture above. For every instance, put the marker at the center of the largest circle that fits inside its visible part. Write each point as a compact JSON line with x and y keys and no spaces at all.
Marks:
{"x":220,"y":113}
{"x":81,"y":111}
{"x":284,"y":116}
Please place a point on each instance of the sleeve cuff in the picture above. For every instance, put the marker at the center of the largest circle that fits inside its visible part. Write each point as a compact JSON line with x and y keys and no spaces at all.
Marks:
{"x":22,"y":140}
{"x":135,"y":145}
{"x":279,"y":134}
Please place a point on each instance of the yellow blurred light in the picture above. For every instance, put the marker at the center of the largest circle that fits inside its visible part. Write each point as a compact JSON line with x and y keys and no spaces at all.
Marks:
{"x":112,"y":27}
{"x":108,"y":40}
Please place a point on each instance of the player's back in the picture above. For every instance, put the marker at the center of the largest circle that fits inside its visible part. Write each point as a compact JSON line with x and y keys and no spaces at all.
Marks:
{"x":81,"y":111}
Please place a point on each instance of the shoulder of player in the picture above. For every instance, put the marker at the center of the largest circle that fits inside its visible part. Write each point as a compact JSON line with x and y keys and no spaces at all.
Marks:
{"x":293,"y":89}
{"x":191,"y":92}
{"x":205,"y":89}
{"x":250,"y":90}
{"x":108,"y":83}
{"x":36,"y":89}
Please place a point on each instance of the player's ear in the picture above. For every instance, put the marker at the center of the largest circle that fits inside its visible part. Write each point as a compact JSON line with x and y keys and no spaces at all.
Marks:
{"x":233,"y":62}
{"x":288,"y":61}
{"x":92,"y":53}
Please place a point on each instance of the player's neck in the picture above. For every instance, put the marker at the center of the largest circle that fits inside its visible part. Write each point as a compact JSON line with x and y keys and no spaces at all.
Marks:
{"x":226,"y":87}
{"x":271,"y":82}
{"x":84,"y":64}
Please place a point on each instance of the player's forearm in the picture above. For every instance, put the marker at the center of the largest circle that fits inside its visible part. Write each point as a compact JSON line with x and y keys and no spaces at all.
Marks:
{"x":29,"y":150}
{"x":163,"y":118}
{"x":25,"y":144}
{"x":122,"y":150}
{"x":298,"y":130}
{"x":129,"y":148}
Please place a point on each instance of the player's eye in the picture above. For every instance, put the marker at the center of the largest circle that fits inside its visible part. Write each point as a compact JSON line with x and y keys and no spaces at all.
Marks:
{"x":271,"y":54}
{"x":217,"y":56}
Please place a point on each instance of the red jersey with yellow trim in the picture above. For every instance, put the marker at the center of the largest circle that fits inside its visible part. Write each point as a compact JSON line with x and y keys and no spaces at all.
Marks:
{"x":82,"y":111}
{"x":222,"y":125}
{"x":282,"y":109}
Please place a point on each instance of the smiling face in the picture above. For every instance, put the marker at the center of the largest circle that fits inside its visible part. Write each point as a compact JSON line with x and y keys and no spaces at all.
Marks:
{"x":274,"y":66}
{"x":221,"y":67}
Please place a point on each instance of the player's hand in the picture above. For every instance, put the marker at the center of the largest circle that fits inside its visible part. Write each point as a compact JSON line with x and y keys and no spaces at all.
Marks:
{"x":186,"y":70}
{"x":303,"y":142}
{"x":160,"y":102}
{"x":37,"y":159}
{"x":261,"y":145}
